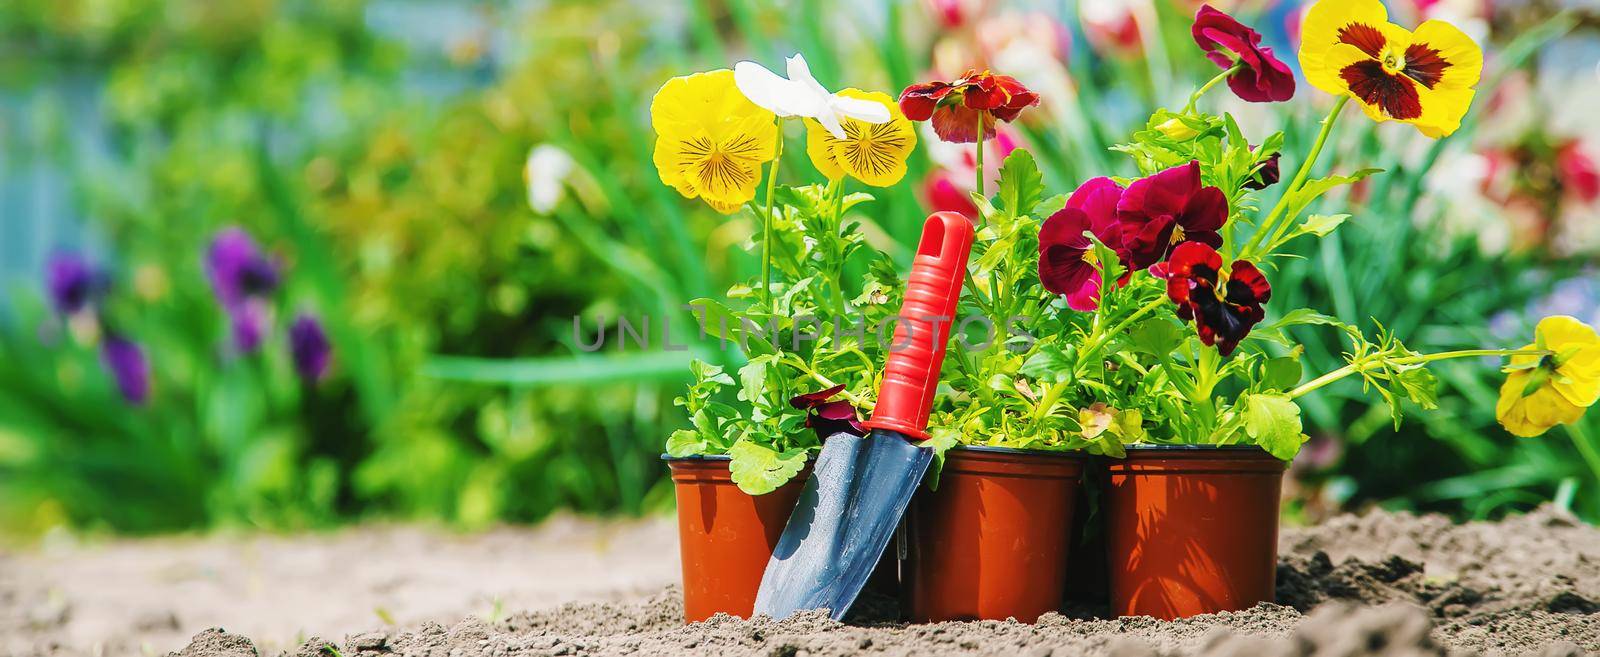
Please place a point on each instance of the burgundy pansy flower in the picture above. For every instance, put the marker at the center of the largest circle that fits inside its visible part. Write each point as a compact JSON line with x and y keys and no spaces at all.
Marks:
{"x":1268,"y":175}
{"x":829,"y":417}
{"x":1167,"y":209}
{"x":126,"y":362}
{"x":958,"y":107}
{"x":1067,"y":263}
{"x":1222,"y":309}
{"x":1261,"y":77}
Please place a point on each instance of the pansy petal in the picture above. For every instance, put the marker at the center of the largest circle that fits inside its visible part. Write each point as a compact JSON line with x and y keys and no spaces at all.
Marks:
{"x":1086,"y":298}
{"x":768,"y":90}
{"x":819,"y":145}
{"x":1333,"y":25}
{"x":1065,"y":228}
{"x":861,"y":109}
{"x":1097,"y":198}
{"x":1462,"y":56}
{"x":1207,"y":210}
{"x":1063,"y":270}
{"x":1442,"y":110}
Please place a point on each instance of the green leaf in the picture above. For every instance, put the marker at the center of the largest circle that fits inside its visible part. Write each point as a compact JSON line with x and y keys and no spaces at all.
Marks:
{"x":753,"y":379}
{"x":1273,"y":422}
{"x":1281,"y":373}
{"x":1302,"y":316}
{"x":940,"y":440}
{"x":1420,"y":386}
{"x":758,"y":469}
{"x":1157,"y":337}
{"x":708,"y":373}
{"x":1314,"y":189}
{"x":1322,"y":224}
{"x":1049,"y":362}
{"x":1021,"y":184}
{"x":685,"y":442}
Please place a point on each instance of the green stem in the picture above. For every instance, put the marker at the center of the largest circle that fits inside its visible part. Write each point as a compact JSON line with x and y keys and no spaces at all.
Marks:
{"x":766,"y":222}
{"x":1580,"y":438}
{"x":1300,"y":178}
{"x":979,"y":184}
{"x":1100,"y":340}
{"x":1421,"y":359}
{"x":838,"y":272}
{"x":1195,"y":97}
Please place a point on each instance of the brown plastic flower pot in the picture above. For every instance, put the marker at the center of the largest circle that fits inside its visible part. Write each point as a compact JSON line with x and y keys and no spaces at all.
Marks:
{"x":991,"y":542}
{"x":1191,"y":529}
{"x":725,"y":535}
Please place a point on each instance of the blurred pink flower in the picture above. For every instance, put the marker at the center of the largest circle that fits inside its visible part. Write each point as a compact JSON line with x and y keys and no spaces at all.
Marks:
{"x":1579,"y":176}
{"x":953,"y":14}
{"x":1110,"y":25}
{"x":949,"y":185}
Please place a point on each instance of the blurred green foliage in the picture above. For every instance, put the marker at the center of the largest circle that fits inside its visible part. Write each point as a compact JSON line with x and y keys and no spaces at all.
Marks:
{"x":387,"y":173}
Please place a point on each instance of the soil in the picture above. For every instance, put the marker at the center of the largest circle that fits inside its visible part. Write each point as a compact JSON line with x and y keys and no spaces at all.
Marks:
{"x":1380,"y":583}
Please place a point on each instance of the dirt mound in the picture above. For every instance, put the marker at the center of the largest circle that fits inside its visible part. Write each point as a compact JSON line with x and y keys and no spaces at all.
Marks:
{"x":1377,"y":584}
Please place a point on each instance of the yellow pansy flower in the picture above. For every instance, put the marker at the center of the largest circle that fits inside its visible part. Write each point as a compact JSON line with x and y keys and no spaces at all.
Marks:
{"x":1425,"y":78}
{"x":710,"y":140}
{"x":874,"y":153}
{"x":1543,"y":391}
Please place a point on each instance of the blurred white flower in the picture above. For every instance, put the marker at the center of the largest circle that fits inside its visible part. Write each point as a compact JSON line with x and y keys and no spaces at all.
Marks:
{"x":801,"y":95}
{"x":545,"y":173}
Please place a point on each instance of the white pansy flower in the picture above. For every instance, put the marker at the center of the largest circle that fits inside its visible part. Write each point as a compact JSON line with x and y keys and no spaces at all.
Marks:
{"x":545,"y":174}
{"x":801,"y":95}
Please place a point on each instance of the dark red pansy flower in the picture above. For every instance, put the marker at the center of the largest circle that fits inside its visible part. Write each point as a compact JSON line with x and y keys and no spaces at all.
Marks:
{"x":1268,"y":175}
{"x":1261,"y":78}
{"x":1167,"y":209}
{"x":957,"y":108}
{"x":1067,"y":263}
{"x":1222,"y":309}
{"x":828,"y":417}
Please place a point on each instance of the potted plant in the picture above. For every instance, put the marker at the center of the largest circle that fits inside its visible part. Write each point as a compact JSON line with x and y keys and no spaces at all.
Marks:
{"x":1153,"y":345}
{"x":807,"y":340}
{"x":989,"y":537}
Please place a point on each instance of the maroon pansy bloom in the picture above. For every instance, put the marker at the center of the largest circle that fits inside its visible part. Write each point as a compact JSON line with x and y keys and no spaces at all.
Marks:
{"x":829,"y":417}
{"x":1222,"y":309}
{"x":1266,"y":176}
{"x":957,"y":107}
{"x":1261,"y":77}
{"x":1067,"y":262}
{"x":1167,"y":209}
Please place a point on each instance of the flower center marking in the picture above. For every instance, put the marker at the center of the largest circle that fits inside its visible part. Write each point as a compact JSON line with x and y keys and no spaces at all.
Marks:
{"x":1393,"y":63}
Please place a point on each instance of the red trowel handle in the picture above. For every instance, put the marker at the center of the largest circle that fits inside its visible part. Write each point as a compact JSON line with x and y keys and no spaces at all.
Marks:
{"x":912,"y":374}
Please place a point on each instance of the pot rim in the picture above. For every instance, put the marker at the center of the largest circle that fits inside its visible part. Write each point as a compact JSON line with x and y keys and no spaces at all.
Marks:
{"x":696,"y":457}
{"x":1065,"y":454}
{"x":1151,"y":447}
{"x":810,"y":458}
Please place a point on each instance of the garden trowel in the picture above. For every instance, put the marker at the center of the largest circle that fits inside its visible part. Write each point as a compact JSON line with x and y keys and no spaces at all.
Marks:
{"x":860,"y":485}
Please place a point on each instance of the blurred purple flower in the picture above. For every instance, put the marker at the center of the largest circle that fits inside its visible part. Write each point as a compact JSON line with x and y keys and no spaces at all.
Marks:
{"x":243,"y":278}
{"x":239,"y":270}
{"x":128,"y":366}
{"x":309,"y":347}
{"x":73,"y":282}
{"x":248,"y":323}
